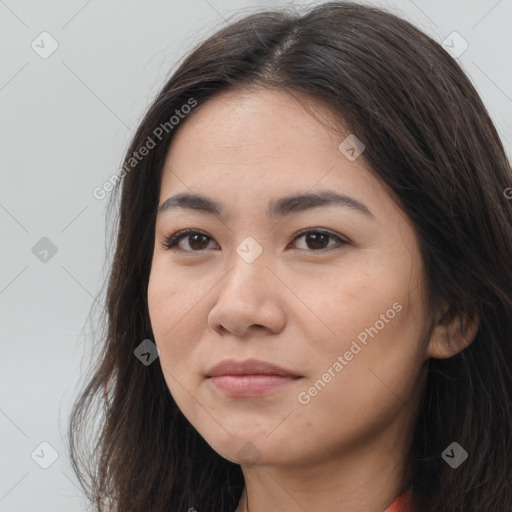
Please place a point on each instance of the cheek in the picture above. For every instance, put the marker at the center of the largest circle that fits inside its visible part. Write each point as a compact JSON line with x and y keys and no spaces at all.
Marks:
{"x":381,"y":362}
{"x":360,"y":301}
{"x":177,"y":303}
{"x":171,"y":312}
{"x":161,"y":293}
{"x":175,"y":325}
{"x":358,"y":396}
{"x":376,"y":321}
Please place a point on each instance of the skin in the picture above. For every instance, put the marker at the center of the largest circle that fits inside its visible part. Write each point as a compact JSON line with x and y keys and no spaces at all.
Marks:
{"x":294,"y":306}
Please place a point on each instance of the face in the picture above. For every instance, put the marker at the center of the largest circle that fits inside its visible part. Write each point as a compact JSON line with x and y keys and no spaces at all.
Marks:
{"x":330,"y":291}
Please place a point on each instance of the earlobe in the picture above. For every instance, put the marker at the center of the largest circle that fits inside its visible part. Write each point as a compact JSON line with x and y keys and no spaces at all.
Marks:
{"x":452,"y":333}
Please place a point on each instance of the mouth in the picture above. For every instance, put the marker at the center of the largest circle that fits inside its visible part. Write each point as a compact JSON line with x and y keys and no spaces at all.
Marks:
{"x":249,"y":378}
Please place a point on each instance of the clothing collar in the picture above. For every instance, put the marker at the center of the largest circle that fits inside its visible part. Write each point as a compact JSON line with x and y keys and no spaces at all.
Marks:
{"x":402,"y":503}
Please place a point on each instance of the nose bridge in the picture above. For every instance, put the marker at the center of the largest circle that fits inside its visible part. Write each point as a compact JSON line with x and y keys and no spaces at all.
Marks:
{"x":248,"y":265}
{"x":246,"y":296}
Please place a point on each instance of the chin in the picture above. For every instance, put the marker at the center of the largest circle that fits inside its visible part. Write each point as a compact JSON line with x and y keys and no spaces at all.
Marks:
{"x":248,"y":447}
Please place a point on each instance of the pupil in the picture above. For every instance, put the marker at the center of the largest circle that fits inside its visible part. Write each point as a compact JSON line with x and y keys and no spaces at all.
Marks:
{"x":194,"y":237}
{"x":315,"y":239}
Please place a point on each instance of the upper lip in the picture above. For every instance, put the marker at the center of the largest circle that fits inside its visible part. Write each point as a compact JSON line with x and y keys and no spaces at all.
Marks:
{"x":247,"y":367}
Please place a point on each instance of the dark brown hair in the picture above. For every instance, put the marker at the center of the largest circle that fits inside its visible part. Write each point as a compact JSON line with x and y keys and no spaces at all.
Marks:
{"x":430,"y":139}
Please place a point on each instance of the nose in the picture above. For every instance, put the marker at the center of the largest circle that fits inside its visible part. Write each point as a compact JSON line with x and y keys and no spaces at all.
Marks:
{"x":249,"y":300}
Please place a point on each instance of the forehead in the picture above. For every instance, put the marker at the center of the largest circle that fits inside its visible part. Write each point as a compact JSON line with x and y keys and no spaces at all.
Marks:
{"x":246,"y":125}
{"x":242,"y":128}
{"x":256,"y":145}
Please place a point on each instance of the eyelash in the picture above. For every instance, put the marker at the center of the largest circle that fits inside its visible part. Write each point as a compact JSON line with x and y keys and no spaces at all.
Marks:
{"x":171,"y":242}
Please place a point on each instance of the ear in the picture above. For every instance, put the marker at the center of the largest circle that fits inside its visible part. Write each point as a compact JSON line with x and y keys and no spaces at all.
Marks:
{"x":452,"y":333}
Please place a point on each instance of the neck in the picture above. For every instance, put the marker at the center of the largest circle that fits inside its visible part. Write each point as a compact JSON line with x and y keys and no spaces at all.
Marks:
{"x":367,"y":479}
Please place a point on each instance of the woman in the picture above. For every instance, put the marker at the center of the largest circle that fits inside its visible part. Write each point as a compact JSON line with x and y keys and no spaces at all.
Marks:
{"x":246,"y":366}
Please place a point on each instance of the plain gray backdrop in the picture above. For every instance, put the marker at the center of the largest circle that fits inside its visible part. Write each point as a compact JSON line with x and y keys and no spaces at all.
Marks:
{"x":75,"y":80}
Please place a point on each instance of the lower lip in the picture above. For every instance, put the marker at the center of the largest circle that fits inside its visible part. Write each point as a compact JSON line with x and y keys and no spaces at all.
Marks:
{"x":250,"y":385}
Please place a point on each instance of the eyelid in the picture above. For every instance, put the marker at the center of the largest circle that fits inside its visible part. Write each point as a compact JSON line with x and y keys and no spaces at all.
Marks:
{"x":324,"y":231}
{"x":170,"y":242}
{"x":176,"y":238}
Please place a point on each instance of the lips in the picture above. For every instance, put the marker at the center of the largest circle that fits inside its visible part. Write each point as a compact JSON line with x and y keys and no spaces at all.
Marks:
{"x":248,"y":367}
{"x":249,"y":378}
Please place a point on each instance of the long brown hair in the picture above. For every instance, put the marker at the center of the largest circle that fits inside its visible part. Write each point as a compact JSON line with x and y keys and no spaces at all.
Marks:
{"x":431,"y":140}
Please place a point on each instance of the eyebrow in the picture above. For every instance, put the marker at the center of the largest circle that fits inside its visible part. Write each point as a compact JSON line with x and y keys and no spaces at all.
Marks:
{"x":278,"y":208}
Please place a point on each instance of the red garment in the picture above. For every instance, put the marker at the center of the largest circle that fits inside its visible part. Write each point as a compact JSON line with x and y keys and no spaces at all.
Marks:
{"x":402,"y":503}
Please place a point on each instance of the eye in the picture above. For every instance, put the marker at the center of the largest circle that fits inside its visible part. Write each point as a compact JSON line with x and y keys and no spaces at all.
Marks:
{"x":197,"y":240}
{"x":193,"y":237}
{"x":318,"y":237}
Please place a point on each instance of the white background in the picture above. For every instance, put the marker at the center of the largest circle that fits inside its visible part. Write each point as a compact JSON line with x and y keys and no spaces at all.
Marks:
{"x":66,"y":123}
